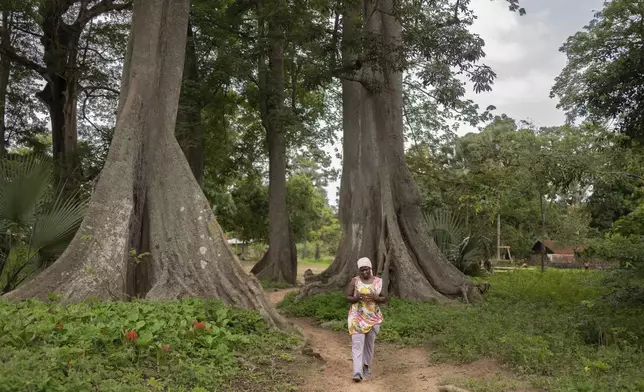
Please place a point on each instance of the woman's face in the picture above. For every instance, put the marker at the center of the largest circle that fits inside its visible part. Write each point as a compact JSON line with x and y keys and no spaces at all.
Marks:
{"x":365,"y":272}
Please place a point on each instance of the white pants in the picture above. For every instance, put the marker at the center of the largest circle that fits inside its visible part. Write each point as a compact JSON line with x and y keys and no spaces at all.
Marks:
{"x":362,"y":350}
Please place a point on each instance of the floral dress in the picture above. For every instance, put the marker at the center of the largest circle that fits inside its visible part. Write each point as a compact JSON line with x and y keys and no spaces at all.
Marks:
{"x":364,"y":316}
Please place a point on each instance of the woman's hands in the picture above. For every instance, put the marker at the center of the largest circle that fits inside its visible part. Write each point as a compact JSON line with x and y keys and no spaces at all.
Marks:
{"x":368,"y":297}
{"x":353,"y":296}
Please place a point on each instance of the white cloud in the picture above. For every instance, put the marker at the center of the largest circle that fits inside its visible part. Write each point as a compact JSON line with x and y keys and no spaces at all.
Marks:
{"x":523,"y":51}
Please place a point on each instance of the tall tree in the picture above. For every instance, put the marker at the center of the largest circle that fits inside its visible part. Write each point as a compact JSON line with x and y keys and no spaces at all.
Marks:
{"x":66,"y":56}
{"x":5,"y":69}
{"x":279,"y":264}
{"x":149,"y":230}
{"x":21,"y":113}
{"x":189,"y":131}
{"x":380,"y":205}
{"x":602,"y":80}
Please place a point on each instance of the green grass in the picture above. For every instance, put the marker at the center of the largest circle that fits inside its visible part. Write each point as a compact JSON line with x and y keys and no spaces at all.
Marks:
{"x":497,"y":383}
{"x":91,"y":347}
{"x":552,"y":328}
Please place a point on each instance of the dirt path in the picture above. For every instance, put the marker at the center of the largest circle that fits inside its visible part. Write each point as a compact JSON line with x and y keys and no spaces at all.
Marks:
{"x":394,"y":368}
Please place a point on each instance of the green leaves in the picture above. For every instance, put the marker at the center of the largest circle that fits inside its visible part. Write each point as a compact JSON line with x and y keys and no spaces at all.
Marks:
{"x":601,"y":80}
{"x":507,"y":167}
{"x":36,"y":222}
{"x":23,"y":184}
{"x":461,"y":247}
{"x":84,"y":345}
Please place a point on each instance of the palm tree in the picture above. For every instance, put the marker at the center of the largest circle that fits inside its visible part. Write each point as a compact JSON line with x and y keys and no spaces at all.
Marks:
{"x":462,"y":248}
{"x":36,"y":220}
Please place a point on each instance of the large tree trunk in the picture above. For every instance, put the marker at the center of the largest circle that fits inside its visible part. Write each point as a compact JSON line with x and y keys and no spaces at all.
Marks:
{"x":380,"y":203}
{"x":279,"y":264}
{"x":5,"y":69}
{"x":189,"y":131}
{"x":146,"y":198}
{"x":60,"y":94}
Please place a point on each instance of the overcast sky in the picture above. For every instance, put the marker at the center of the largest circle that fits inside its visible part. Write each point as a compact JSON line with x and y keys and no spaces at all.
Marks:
{"x":524,"y":53}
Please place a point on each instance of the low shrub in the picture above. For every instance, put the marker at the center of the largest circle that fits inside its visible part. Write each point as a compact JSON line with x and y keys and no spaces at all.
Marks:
{"x":187,"y":345}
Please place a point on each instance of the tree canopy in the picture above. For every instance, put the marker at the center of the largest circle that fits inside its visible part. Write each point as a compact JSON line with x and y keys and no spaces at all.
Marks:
{"x":601,"y":80}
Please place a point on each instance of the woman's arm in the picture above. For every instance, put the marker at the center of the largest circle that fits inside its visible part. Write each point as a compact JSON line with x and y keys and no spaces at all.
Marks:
{"x":350,"y":292}
{"x":380,"y":299}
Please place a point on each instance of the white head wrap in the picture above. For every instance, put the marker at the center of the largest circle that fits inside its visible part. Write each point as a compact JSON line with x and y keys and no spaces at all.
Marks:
{"x":364,"y":262}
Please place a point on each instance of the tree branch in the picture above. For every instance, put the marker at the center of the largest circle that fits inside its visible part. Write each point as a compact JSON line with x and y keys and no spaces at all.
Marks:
{"x":87,"y":89}
{"x":14,"y":26}
{"x":83,"y":110}
{"x":430,"y":95}
{"x":101,"y":8}
{"x":348,"y":71}
{"x":6,"y":50}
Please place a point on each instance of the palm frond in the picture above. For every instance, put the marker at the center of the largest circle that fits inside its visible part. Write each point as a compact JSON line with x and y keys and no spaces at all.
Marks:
{"x":461,"y":248}
{"x":446,"y":228}
{"x":36,"y":221}
{"x":56,"y":225}
{"x":23,"y":183}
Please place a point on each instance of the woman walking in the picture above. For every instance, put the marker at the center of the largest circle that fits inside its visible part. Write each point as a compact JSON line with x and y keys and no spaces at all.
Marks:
{"x":364,"y":293}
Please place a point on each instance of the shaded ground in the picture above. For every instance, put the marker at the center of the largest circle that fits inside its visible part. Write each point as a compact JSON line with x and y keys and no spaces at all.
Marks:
{"x":301,"y":267}
{"x":395,"y":368}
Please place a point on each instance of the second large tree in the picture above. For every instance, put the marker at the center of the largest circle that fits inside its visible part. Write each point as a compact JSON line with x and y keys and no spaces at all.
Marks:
{"x":380,"y":204}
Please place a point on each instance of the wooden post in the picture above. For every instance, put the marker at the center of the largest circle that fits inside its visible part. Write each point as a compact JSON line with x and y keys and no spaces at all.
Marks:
{"x":498,"y":236}
{"x":543,"y":233}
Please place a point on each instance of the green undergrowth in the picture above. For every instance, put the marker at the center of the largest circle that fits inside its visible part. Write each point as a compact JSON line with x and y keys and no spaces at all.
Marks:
{"x":493,"y":383}
{"x":187,"y":345}
{"x":269,"y":285}
{"x":553,"y":328}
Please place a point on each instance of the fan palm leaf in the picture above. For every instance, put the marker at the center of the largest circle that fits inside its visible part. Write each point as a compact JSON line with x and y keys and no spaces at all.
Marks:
{"x":36,"y":221}
{"x":463,"y":249}
{"x":23,"y":184}
{"x":446,"y":228}
{"x":56,"y":225}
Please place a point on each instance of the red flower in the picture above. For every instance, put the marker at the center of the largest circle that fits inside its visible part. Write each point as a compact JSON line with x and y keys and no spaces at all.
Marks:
{"x":131,"y":336}
{"x":59,"y":325}
{"x":199,"y":324}
{"x":165,"y":347}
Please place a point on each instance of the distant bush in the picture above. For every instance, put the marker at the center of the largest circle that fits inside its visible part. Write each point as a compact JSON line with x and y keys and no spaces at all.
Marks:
{"x":627,"y":250}
{"x":187,"y":345}
{"x":627,"y":282}
{"x":552,"y":327}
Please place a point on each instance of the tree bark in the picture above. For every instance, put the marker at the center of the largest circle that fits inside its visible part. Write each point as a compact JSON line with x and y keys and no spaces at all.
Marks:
{"x":380,"y":205}
{"x":189,"y":131}
{"x":61,"y":42}
{"x":147,"y":209}
{"x":279,"y":264}
{"x":5,"y":69}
